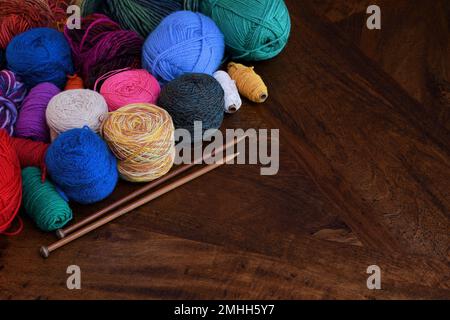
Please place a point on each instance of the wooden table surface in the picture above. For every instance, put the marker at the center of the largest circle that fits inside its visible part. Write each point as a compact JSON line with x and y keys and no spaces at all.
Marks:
{"x":364,"y":179}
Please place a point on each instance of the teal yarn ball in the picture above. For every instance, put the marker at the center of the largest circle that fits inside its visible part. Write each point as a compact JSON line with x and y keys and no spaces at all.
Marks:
{"x":184,"y":42}
{"x":40,"y":55}
{"x":82,"y":166}
{"x":42,"y":202}
{"x":254,"y":29}
{"x":194,"y":97}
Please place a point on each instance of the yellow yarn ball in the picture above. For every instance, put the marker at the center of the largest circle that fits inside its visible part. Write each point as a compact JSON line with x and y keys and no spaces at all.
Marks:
{"x":141,"y":135}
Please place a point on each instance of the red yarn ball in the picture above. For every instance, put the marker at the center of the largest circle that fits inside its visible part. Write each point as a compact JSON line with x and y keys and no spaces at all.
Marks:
{"x":14,"y":154}
{"x":10,"y":182}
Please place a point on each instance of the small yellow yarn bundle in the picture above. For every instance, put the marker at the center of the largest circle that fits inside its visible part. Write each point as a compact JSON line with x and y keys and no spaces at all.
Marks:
{"x":249,"y":83}
{"x":141,"y":135}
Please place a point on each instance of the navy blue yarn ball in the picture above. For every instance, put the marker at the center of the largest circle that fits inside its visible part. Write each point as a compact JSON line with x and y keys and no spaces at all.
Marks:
{"x":40,"y":55}
{"x":194,"y":97}
{"x":82,"y":166}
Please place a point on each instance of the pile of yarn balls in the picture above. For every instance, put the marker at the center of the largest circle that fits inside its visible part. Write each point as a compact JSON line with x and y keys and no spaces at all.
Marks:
{"x":82,"y":107}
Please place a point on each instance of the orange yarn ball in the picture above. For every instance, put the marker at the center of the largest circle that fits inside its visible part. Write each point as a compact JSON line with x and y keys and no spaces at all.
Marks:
{"x":17,"y":16}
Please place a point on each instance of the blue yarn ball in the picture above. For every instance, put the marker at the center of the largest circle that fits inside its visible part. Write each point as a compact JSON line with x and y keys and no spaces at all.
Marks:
{"x":82,"y":166}
{"x":184,"y":42}
{"x":40,"y":55}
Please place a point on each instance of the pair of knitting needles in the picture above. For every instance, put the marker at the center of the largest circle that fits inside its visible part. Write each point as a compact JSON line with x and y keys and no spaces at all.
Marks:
{"x":107,"y":214}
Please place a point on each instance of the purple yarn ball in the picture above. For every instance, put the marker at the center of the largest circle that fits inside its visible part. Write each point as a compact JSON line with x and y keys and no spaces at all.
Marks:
{"x":12,"y":93}
{"x":31,"y":122}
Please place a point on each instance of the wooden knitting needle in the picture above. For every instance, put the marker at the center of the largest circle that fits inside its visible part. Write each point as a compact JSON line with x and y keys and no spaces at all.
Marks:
{"x":61,"y":233}
{"x":45,"y":251}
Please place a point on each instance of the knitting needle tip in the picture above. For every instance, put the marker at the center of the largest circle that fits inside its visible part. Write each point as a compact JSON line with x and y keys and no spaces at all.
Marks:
{"x":44,"y":252}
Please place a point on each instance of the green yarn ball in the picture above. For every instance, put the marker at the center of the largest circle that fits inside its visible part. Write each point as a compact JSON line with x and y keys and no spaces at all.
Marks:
{"x":42,"y":202}
{"x":142,"y":16}
{"x":253,"y":29}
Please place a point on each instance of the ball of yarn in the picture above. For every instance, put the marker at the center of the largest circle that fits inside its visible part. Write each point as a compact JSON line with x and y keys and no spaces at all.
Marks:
{"x":194,"y":97}
{"x":141,"y":16}
{"x":101,"y":46}
{"x":253,"y":29}
{"x":31,"y":122}
{"x":40,"y":55}
{"x":10,"y":182}
{"x":233,"y":100}
{"x":127,"y":87}
{"x":2,"y":59}
{"x":248,"y":82}
{"x":142,"y":138}
{"x":30,"y":153}
{"x":17,"y":16}
{"x":75,"y":109}
{"x":184,"y":42}
{"x":42,"y":202}
{"x":74,"y":82}
{"x":12,"y":93}
{"x":81,"y":165}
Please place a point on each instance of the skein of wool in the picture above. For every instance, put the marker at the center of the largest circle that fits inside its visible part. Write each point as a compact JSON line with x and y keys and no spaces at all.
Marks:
{"x":74,"y":82}
{"x":75,"y":109}
{"x":31,"y":123}
{"x":42,"y":202}
{"x":40,"y":55}
{"x":184,"y":42}
{"x":12,"y":93}
{"x":81,"y":165}
{"x":131,"y":86}
{"x":194,"y":97}
{"x":101,"y":46}
{"x":249,"y":83}
{"x":10,"y":182}
{"x":141,"y":136}
{"x":141,"y":16}
{"x":253,"y":29}
{"x":17,"y":16}
{"x":30,"y":153}
{"x":233,"y":100}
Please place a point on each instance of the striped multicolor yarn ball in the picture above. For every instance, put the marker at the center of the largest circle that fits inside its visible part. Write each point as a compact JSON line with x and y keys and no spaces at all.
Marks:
{"x":141,"y":136}
{"x":12,"y":93}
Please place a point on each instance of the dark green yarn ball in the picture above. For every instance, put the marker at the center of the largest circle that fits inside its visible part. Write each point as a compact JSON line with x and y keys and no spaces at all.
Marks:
{"x":194,"y":97}
{"x":141,"y":16}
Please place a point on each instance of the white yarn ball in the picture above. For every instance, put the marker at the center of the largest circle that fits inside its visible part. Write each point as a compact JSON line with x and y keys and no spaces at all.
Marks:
{"x":233,"y":100}
{"x":75,"y":109}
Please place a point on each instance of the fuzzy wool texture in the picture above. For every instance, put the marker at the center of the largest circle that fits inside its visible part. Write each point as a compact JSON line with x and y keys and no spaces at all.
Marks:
{"x":130,"y":86}
{"x":142,"y":16}
{"x":42,"y":202}
{"x":12,"y":94}
{"x":10,"y":182}
{"x":40,"y":55}
{"x":141,"y":136}
{"x":184,"y":42}
{"x":101,"y":46}
{"x":254,"y":29}
{"x":81,"y":165}
{"x":75,"y":109}
{"x":31,"y":123}
{"x":194,"y":97}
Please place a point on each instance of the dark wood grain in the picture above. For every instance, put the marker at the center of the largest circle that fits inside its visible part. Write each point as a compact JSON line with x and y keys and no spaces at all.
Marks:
{"x":413,"y":45}
{"x":364,"y":179}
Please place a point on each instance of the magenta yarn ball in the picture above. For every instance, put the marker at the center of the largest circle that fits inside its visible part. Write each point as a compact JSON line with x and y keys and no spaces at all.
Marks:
{"x":131,"y":86}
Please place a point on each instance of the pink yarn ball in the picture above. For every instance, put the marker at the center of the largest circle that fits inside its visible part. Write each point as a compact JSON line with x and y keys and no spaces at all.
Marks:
{"x":131,"y":86}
